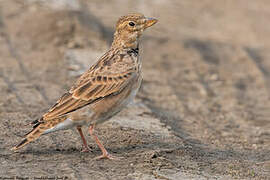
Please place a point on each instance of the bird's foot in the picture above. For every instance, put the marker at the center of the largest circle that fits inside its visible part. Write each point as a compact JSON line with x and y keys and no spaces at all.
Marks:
{"x":107,"y":156}
{"x":86,"y":149}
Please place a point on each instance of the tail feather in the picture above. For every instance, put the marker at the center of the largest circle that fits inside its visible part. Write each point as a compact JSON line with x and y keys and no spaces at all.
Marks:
{"x":36,"y":121}
{"x":31,"y":136}
{"x":38,"y":129}
{"x":22,"y":143}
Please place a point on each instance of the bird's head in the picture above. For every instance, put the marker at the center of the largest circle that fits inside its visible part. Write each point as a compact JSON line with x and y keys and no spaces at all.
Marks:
{"x":129,"y":28}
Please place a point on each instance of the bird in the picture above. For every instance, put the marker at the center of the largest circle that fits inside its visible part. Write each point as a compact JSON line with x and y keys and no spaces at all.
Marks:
{"x":102,"y":91}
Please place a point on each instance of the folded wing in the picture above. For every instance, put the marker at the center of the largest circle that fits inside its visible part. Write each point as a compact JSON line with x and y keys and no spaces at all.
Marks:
{"x":103,"y":79}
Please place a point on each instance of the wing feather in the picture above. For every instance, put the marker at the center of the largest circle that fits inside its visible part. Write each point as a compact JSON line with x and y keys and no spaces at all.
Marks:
{"x":101,"y":80}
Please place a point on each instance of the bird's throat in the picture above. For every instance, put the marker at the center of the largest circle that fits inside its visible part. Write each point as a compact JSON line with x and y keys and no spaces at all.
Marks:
{"x":125,"y":41}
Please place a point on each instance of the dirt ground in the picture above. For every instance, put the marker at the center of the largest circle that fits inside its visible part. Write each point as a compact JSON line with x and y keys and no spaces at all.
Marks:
{"x":202,"y":111}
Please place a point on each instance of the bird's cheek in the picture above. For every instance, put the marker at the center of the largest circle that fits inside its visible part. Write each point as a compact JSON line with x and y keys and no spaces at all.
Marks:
{"x":140,"y":27}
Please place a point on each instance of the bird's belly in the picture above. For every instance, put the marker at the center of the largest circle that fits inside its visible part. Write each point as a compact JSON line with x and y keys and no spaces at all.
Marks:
{"x":110,"y":106}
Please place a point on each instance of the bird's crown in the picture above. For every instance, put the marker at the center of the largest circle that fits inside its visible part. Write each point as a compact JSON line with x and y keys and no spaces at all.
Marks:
{"x":134,"y":22}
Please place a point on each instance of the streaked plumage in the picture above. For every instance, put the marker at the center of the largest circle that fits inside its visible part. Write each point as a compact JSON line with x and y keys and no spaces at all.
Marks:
{"x":102,"y":91}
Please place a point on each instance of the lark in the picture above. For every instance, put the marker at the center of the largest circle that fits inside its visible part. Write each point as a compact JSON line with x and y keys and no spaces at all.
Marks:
{"x":102,"y":91}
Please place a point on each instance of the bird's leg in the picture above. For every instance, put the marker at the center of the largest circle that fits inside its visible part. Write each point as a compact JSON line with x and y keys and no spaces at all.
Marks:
{"x":85,"y":146}
{"x":105,"y":153}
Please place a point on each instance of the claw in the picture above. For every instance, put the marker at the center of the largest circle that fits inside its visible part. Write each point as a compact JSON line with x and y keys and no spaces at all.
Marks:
{"x":107,"y":156}
{"x":86,"y":149}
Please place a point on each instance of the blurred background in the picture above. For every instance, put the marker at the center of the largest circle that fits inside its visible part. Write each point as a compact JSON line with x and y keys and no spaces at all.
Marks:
{"x":202,"y":111}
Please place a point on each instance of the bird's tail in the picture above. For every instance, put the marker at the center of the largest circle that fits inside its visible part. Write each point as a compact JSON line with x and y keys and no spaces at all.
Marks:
{"x":39,"y":127}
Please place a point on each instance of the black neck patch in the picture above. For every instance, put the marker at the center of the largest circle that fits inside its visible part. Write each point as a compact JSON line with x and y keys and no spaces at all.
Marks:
{"x":133,"y":51}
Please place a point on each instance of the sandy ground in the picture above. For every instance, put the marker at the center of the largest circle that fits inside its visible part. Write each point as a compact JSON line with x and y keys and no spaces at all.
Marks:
{"x":201,"y":113}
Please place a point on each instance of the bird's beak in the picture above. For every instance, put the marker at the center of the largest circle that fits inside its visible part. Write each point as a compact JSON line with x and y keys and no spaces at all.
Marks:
{"x":150,"y":22}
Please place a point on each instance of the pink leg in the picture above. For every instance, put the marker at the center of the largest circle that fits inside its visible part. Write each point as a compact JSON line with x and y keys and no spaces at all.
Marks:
{"x":85,"y":146}
{"x":105,"y":153}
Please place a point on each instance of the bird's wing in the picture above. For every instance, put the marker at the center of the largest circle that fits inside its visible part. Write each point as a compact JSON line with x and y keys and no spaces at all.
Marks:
{"x":108,"y":76}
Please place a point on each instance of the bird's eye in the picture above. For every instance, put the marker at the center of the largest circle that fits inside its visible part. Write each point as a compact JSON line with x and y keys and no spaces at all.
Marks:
{"x":131,"y":23}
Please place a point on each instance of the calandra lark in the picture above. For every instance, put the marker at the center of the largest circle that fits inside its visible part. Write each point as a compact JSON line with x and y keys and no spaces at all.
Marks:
{"x":102,"y":91}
